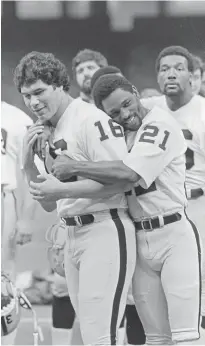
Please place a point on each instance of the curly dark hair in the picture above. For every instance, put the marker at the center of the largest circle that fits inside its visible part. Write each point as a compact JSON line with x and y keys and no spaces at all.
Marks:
{"x":43,"y":66}
{"x":86,"y":55}
{"x":106,"y":84}
{"x":175,"y":50}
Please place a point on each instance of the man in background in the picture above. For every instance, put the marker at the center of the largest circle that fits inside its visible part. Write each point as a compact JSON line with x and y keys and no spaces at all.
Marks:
{"x":197,"y":75}
{"x":175,"y":67}
{"x":84,"y":65}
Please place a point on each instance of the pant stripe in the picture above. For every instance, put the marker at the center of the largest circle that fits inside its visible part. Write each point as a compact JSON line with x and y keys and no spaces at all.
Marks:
{"x":122,"y":274}
{"x":196,"y":233}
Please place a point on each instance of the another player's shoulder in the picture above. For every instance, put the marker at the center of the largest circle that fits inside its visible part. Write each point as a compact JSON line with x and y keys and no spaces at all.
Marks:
{"x":161,"y":116}
{"x":195,"y":113}
{"x":13,"y":117}
{"x":153,"y":101}
{"x":159,"y":121}
{"x":90,"y":110}
{"x":89,"y":114}
{"x":80,"y":112}
{"x":199,"y":99}
{"x":198,"y":104}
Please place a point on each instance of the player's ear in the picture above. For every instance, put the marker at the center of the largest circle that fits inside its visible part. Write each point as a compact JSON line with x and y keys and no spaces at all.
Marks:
{"x":135,"y":91}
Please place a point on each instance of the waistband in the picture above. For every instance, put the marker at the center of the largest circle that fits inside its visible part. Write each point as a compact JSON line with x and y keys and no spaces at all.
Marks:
{"x":86,"y":219}
{"x":149,"y":224}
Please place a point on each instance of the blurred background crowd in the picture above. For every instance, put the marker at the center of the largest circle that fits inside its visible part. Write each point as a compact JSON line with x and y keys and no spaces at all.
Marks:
{"x":129,"y":33}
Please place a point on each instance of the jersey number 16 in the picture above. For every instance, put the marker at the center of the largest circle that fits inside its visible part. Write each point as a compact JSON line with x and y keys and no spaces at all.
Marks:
{"x":116,"y":130}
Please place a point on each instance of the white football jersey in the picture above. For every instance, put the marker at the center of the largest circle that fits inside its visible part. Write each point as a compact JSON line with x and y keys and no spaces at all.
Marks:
{"x":86,"y":133}
{"x":14,"y":123}
{"x":158,"y":157}
{"x":191,"y":118}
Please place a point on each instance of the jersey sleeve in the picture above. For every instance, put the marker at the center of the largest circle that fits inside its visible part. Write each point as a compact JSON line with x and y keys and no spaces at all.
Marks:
{"x":101,"y":139}
{"x":156,"y":145}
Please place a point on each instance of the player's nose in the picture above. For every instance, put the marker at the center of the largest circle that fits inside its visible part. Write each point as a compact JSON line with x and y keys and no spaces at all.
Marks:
{"x":34,"y":101}
{"x":171,"y":73}
{"x":86,"y":71}
{"x":125,"y":113}
{"x":87,"y":75}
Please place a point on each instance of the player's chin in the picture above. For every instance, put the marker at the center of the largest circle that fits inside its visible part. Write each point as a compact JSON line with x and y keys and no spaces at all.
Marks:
{"x":86,"y":89}
{"x":170,"y":92}
{"x":43,"y":119}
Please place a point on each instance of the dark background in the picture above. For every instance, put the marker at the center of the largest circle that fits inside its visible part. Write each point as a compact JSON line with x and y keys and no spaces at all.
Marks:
{"x":134,"y":51}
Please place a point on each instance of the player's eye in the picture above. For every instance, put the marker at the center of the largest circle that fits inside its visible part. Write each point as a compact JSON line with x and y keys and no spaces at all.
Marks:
{"x":91,"y":67}
{"x":79,"y":71}
{"x":27,"y":96}
{"x":180,"y":68}
{"x":126,"y":104}
{"x":39,"y":92}
{"x":115,"y":114}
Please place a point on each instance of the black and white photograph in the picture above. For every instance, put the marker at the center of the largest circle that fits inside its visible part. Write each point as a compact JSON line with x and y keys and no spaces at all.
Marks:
{"x":102,"y":172}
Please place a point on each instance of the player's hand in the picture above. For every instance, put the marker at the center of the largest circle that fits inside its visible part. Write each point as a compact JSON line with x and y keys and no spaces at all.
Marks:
{"x":41,"y":141}
{"x":24,"y":232}
{"x":28,"y":144}
{"x":63,"y":167}
{"x":48,"y":189}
